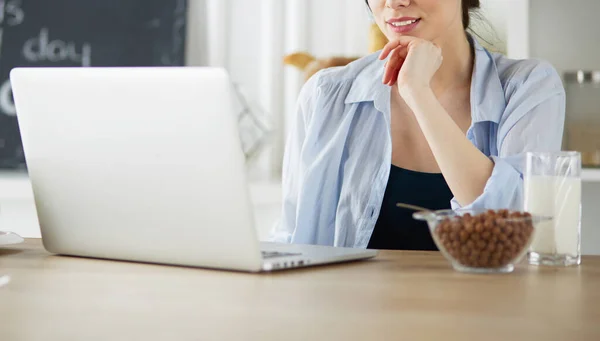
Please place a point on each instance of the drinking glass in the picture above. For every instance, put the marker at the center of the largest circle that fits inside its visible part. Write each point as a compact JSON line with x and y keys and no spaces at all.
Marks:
{"x":553,"y":188}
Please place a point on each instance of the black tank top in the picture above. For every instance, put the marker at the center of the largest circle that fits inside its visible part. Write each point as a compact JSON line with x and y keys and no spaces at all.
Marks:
{"x":396,"y":229}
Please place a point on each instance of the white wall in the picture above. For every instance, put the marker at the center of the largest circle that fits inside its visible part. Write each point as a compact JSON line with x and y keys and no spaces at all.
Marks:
{"x":197,"y":40}
{"x":566,"y":33}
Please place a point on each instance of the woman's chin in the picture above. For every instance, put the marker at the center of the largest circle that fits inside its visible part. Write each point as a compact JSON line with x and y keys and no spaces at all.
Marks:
{"x":395,"y":36}
{"x":417,"y":33}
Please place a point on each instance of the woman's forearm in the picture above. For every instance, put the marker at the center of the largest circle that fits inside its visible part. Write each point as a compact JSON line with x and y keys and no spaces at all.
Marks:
{"x":465,"y":168}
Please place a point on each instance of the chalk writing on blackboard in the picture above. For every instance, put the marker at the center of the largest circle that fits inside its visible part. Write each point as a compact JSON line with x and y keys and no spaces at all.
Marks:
{"x":78,"y":33}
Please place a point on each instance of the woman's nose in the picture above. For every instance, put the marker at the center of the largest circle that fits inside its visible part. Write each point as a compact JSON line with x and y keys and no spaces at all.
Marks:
{"x":393,"y":4}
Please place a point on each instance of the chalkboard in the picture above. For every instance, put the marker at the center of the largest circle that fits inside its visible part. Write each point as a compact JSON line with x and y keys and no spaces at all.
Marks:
{"x":82,"y":33}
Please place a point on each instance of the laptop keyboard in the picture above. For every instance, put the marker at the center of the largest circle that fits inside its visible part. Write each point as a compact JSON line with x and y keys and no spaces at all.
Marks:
{"x":276,"y":254}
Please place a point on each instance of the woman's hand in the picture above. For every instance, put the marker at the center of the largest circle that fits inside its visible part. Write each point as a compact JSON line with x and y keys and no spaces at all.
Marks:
{"x":412,"y":63}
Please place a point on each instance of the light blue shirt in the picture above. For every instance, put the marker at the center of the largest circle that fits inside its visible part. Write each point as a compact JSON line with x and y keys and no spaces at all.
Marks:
{"x":338,"y":153}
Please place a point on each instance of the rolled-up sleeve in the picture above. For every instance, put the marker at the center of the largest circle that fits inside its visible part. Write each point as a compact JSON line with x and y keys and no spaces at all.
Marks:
{"x":293,"y":170}
{"x":532,"y":121}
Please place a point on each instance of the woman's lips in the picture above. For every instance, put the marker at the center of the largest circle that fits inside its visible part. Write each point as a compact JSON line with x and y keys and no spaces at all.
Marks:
{"x":403,"y":25}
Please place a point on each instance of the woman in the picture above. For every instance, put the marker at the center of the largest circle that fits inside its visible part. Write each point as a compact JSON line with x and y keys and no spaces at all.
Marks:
{"x":434,"y":120}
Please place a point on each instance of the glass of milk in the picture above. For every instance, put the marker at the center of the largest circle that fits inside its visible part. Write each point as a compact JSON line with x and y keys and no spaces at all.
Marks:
{"x":553,"y":188}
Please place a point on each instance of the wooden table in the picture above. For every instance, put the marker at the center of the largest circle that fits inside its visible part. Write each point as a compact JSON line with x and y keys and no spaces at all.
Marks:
{"x":396,"y":296}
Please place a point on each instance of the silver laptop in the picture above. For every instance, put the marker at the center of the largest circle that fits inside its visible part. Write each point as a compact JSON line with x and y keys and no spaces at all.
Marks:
{"x":145,"y":164}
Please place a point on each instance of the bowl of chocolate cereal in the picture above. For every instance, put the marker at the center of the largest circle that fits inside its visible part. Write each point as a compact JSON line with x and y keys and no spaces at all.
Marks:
{"x":482,"y":241}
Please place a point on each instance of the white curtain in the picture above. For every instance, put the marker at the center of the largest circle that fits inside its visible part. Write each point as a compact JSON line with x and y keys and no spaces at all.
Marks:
{"x":251,"y":37}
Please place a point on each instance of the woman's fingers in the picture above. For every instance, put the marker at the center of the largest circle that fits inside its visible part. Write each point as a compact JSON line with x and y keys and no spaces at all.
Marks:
{"x":394,"y":44}
{"x":390,"y":65}
{"x":389,"y":68}
{"x":394,"y":79}
{"x":393,"y":65}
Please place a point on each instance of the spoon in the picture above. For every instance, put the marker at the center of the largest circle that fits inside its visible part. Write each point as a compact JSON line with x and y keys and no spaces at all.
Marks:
{"x":413,"y":207}
{"x":422,"y":212}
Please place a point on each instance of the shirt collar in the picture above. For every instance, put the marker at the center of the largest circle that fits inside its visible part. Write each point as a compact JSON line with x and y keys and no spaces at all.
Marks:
{"x":368,"y":85}
{"x":487,"y":94}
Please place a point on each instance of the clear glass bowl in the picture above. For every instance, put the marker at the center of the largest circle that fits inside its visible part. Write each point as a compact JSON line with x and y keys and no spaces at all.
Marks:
{"x":482,"y":241}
